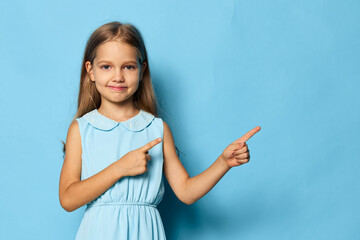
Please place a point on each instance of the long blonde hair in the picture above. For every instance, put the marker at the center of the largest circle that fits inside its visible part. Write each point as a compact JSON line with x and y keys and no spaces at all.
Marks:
{"x":89,"y":98}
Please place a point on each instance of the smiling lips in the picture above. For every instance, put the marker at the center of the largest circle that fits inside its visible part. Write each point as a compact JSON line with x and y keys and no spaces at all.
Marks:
{"x":117,"y":88}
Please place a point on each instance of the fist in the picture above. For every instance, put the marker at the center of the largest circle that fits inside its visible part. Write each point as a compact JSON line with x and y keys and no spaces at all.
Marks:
{"x":135,"y":162}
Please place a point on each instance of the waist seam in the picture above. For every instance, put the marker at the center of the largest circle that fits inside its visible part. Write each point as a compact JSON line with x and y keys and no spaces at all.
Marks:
{"x":121,"y":203}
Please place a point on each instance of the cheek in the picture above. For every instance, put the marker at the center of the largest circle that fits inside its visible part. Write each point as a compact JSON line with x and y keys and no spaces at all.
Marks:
{"x":136,"y":85}
{"x":133,"y":77}
{"x":98,"y":86}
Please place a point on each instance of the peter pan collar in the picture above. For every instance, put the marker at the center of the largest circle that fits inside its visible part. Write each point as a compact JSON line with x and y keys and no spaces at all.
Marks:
{"x":136,"y":123}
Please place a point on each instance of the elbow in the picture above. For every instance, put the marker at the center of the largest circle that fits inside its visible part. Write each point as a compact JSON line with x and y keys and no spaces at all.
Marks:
{"x":188,"y":201}
{"x":64,"y":203}
{"x":68,"y":208}
{"x":186,"y":197}
{"x":65,"y":206}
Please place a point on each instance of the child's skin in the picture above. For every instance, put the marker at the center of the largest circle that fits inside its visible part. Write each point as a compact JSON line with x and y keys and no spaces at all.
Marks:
{"x":116,"y":64}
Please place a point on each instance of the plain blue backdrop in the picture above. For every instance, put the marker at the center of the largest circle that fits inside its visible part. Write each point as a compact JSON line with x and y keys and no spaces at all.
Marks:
{"x":219,"y":68}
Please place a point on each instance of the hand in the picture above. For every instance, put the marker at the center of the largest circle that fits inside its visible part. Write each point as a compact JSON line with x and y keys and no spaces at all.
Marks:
{"x":135,"y":162}
{"x":237,"y":153}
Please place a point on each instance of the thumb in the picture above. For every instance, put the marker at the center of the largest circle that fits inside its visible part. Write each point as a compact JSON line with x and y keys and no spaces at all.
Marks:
{"x":151,"y":144}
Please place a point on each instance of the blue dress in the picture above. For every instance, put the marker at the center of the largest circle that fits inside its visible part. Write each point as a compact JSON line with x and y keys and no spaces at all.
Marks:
{"x":128,"y":209}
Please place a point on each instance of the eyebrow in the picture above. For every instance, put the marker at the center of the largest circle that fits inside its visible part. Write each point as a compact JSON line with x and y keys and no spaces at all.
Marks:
{"x":105,"y":61}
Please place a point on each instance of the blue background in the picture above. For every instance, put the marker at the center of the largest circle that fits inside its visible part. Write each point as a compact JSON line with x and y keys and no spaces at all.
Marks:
{"x":219,"y":68}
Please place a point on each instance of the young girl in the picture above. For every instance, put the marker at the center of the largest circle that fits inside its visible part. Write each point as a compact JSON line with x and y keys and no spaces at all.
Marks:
{"x":117,"y":146}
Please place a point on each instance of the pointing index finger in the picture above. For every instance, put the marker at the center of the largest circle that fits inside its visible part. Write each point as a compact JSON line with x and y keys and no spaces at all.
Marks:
{"x":249,"y":134}
{"x":151,"y":144}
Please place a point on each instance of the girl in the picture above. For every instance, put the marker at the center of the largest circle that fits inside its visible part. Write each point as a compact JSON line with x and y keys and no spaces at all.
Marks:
{"x":117,"y":146}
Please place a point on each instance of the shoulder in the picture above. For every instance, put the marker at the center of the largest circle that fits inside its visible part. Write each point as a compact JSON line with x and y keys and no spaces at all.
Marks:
{"x":73,"y":135}
{"x":167,"y":131}
{"x":166,"y":126}
{"x":74,"y":126}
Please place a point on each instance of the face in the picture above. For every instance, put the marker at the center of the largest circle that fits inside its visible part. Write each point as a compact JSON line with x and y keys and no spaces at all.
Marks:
{"x":115,"y":71}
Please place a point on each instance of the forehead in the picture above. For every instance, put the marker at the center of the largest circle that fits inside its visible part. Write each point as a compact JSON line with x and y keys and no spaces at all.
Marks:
{"x":116,"y":51}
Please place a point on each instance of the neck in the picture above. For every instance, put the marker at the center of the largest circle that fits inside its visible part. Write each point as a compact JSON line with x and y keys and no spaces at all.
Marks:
{"x":118,"y":111}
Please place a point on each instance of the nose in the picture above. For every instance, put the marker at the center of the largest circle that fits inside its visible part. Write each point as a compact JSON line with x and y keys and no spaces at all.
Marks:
{"x":119,"y":76}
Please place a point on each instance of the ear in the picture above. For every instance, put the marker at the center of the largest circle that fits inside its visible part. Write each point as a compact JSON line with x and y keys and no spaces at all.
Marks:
{"x":89,"y":70}
{"x":144,"y":65}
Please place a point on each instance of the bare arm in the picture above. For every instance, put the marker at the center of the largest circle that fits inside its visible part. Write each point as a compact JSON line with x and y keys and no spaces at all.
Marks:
{"x":199,"y":185}
{"x":190,"y":189}
{"x":74,"y":193}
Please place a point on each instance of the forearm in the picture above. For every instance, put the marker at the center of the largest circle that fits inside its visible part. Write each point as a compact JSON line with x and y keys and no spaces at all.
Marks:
{"x":196,"y":187}
{"x":83,"y":192}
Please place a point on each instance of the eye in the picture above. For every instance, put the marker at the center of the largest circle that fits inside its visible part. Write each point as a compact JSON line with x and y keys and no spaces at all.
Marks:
{"x":129,"y":67}
{"x":106,"y":67}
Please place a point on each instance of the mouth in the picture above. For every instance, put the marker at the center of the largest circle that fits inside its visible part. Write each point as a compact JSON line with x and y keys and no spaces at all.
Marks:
{"x":118,"y":88}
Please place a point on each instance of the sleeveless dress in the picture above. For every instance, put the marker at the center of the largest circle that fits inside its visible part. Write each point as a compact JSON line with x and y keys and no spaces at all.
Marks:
{"x":128,"y":209}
